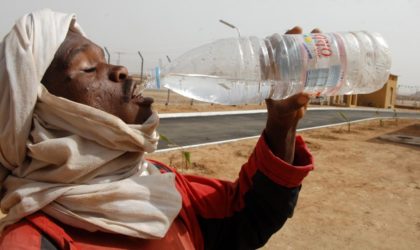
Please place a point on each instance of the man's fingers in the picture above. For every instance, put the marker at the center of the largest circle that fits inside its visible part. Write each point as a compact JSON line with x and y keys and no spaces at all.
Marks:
{"x":298,"y":30}
{"x":297,"y":101}
{"x":295,"y":30}
{"x":316,"y":30}
{"x":289,"y":104}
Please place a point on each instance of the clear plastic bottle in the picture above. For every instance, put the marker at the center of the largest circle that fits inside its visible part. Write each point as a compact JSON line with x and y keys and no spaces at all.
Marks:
{"x":249,"y":70}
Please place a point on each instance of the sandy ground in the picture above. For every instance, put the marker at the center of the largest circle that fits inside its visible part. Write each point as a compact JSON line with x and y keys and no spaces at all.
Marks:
{"x":364,"y":193}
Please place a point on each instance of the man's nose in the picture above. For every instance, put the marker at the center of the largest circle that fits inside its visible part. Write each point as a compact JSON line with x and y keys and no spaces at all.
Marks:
{"x":118,"y":73}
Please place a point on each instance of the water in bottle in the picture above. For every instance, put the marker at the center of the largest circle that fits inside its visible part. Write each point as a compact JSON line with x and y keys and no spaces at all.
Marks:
{"x":249,"y":70}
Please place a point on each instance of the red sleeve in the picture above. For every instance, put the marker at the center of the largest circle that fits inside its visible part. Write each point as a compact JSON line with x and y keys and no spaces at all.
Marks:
{"x":36,"y":231}
{"x":21,"y":235}
{"x":276,"y":169}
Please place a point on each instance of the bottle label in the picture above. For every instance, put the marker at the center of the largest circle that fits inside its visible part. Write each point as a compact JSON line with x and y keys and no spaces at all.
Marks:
{"x":325,"y":77}
{"x":319,"y":45}
{"x":323,"y":63}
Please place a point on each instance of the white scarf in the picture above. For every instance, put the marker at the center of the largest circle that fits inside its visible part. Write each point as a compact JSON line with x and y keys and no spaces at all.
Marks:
{"x":78,"y":164}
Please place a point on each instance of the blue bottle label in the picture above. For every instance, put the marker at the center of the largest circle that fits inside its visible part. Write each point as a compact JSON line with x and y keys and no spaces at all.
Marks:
{"x":324,"y":77}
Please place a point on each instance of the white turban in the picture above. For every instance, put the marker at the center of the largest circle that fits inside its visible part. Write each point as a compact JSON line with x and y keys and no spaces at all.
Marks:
{"x":78,"y":164}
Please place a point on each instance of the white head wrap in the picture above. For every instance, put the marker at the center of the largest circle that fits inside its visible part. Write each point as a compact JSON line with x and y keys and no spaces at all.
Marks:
{"x":78,"y":164}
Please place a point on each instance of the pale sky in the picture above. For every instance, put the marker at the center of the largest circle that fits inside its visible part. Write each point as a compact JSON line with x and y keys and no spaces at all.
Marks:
{"x":169,"y":28}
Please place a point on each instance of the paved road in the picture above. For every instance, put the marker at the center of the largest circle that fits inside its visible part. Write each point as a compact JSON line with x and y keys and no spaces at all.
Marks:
{"x":186,"y":131}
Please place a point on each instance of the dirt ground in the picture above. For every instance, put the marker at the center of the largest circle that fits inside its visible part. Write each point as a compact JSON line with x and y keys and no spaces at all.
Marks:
{"x":363,"y":194}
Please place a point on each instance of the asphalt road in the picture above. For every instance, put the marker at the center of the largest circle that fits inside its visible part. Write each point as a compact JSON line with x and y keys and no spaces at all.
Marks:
{"x":185,"y":131}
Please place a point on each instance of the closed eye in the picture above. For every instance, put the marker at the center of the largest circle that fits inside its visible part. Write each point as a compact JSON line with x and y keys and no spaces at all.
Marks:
{"x":90,"y":70}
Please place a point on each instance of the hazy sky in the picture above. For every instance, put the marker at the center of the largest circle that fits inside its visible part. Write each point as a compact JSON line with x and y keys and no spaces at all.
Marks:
{"x":158,"y":28}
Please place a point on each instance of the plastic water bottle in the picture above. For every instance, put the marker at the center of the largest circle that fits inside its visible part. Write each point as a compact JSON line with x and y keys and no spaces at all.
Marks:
{"x":248,"y":69}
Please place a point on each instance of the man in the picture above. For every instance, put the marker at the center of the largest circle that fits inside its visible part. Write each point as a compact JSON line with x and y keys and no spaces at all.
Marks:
{"x":72,"y":168}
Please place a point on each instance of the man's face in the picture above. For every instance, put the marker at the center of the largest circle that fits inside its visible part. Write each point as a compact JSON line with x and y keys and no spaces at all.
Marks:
{"x":80,"y":73}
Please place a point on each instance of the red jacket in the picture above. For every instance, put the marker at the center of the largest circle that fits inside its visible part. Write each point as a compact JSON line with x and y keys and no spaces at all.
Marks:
{"x":215,"y":214}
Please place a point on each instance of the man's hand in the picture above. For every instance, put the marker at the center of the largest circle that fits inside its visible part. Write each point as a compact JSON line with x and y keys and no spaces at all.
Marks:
{"x":282,"y":120}
{"x":283,"y":117}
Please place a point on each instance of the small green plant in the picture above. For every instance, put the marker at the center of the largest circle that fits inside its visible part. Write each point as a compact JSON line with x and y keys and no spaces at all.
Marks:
{"x":346,"y":119}
{"x":185,"y":155}
{"x":396,"y":116}
{"x":381,"y":121}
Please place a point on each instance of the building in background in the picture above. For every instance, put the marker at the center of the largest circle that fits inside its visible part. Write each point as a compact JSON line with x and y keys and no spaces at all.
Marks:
{"x":382,"y":98}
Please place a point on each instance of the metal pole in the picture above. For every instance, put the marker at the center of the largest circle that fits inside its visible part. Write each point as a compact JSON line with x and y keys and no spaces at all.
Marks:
{"x":141,"y":68}
{"x":169,"y":91}
{"x":167,"y":97}
{"x":108,"y":55}
{"x":231,"y":26}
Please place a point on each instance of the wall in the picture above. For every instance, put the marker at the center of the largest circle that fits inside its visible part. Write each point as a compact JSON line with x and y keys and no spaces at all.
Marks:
{"x":383,"y":98}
